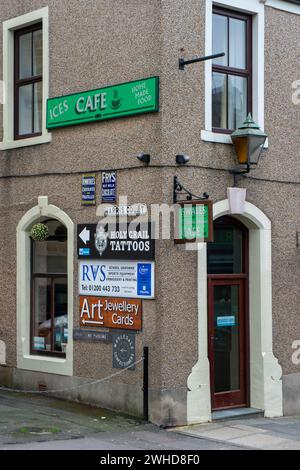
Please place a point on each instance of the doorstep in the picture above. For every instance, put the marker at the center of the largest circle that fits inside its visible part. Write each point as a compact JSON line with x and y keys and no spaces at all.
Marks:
{"x":236,"y":413}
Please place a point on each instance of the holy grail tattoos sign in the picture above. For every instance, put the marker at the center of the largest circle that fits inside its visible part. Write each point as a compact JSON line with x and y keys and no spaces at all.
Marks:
{"x":126,"y":99}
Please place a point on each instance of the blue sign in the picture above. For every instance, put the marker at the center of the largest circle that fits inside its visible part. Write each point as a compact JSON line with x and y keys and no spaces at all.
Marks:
{"x":109,"y":179}
{"x":84,"y":252}
{"x":226,"y":321}
{"x":88,"y":189}
{"x":144,"y":279}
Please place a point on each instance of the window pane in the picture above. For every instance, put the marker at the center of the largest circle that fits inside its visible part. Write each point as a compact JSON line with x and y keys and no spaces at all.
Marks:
{"x":37,"y":52}
{"x":237,"y":101}
{"x":220,"y":38}
{"x":50,"y":255}
{"x":219,"y":100}
{"x":60,"y":314}
{"x":225,"y":254}
{"x":38,"y":95}
{"x":25,"y":61}
{"x":25,"y":110}
{"x":237,"y":43}
{"x":42,"y":315}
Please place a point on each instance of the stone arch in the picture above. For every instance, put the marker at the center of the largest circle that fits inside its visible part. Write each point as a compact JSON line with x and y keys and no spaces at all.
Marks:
{"x":265,"y":372}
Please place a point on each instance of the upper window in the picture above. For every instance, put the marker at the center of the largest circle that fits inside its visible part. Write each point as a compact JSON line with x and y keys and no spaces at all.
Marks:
{"x":232,"y":74}
{"x":28,"y":89}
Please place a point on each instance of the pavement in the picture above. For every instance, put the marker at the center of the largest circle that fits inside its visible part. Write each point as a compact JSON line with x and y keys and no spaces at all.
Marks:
{"x":40,"y":422}
{"x":250,"y":433}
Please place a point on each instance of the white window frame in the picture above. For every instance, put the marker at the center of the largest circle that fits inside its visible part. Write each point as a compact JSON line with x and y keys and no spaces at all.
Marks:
{"x":26,"y":360}
{"x":9,"y":28}
{"x":256,"y":9}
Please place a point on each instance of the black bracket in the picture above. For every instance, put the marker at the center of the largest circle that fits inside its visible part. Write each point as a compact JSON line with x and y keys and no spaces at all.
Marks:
{"x":182,"y":63}
{"x":179,"y":190}
{"x":239,"y":171}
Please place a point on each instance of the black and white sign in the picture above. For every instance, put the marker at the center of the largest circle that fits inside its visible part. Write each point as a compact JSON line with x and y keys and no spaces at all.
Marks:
{"x":90,"y":335}
{"x":115,"y":241}
{"x":123,"y":350}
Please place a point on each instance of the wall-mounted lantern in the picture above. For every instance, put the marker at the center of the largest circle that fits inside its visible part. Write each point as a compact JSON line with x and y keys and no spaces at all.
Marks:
{"x":248,"y":141}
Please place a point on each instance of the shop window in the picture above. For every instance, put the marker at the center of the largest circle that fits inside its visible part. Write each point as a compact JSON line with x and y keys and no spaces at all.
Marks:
{"x":28,"y":89}
{"x":49,"y":292}
{"x":232,"y":74}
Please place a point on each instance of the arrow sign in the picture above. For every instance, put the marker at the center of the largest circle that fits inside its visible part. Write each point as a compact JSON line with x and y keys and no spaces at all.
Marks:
{"x":85,"y":235}
{"x":92,"y":322}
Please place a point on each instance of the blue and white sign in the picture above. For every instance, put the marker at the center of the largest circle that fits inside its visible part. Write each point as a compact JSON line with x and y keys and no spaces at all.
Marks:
{"x":144,"y":279}
{"x":84,"y":251}
{"x":226,"y":321}
{"x":89,"y":189}
{"x":109,"y":179}
{"x":128,"y":279}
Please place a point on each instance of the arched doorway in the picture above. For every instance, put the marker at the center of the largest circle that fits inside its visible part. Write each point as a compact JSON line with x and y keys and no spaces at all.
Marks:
{"x":227,"y":275}
{"x":265,"y":372}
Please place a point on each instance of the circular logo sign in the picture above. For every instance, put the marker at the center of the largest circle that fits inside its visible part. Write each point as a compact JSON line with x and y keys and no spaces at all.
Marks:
{"x":123,"y":350}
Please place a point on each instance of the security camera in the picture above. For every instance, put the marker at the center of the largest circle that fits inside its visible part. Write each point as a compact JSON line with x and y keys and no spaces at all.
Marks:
{"x":143,"y":157}
{"x":182,"y":159}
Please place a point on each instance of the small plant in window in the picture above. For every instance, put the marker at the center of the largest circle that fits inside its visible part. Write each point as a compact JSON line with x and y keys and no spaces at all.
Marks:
{"x":39,"y":232}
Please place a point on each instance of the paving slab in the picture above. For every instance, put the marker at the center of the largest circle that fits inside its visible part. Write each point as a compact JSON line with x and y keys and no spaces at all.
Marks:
{"x":252,"y":433}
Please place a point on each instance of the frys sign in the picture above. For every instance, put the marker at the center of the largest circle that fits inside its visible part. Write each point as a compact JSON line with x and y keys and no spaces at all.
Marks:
{"x":116,"y":241}
{"x":116,"y":101}
{"x":110,"y":312}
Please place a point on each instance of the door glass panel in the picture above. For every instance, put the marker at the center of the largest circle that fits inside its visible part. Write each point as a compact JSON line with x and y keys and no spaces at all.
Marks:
{"x":225,"y":254}
{"x":226,"y":338}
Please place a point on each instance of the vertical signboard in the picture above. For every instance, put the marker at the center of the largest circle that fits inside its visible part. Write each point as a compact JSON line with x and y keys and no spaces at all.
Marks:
{"x":108,"y":190}
{"x":88,"y":189}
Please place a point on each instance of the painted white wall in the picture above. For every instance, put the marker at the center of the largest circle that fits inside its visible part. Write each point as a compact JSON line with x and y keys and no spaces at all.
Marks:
{"x":9,"y":27}
{"x":265,"y":372}
{"x":25,"y":360}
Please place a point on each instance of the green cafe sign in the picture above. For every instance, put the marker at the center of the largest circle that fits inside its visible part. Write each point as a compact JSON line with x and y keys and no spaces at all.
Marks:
{"x":126,"y":99}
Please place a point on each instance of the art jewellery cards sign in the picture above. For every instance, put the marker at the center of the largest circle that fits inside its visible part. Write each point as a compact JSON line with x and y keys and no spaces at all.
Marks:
{"x":126,"y":99}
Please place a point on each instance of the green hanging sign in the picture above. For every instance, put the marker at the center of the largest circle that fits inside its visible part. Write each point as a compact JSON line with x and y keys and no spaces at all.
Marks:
{"x":126,"y":99}
{"x":194,"y":222}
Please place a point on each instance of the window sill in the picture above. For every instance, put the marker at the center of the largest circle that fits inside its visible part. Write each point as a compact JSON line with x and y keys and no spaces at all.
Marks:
{"x":209,"y":136}
{"x":49,"y":365}
{"x":14,"y":144}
